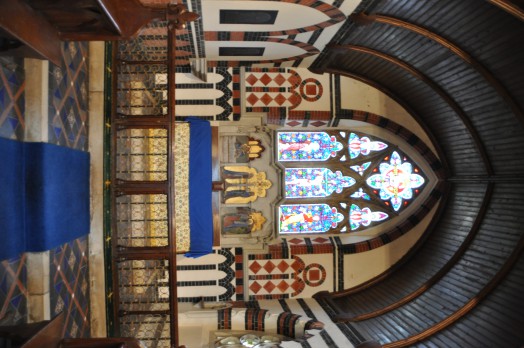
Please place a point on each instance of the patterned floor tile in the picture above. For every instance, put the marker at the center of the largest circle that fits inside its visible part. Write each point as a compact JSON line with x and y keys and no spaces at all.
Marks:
{"x":13,"y":291}
{"x":68,"y":100}
{"x":68,"y":119}
{"x":69,"y":276}
{"x":12,"y":88}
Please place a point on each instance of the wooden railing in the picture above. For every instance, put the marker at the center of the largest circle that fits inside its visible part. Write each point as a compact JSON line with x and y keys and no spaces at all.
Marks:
{"x":143,"y":233}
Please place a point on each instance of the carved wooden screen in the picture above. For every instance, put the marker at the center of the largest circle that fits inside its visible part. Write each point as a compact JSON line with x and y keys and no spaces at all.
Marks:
{"x":142,"y":228}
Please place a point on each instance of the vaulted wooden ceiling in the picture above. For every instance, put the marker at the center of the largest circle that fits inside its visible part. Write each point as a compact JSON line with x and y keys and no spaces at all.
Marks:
{"x":458,"y":68}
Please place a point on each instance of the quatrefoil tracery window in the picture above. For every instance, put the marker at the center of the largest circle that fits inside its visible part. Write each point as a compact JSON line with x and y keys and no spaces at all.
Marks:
{"x":342,"y":181}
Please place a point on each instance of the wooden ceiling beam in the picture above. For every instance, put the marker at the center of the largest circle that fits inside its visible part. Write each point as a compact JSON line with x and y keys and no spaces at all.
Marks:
{"x":433,"y":85}
{"x":516,"y":254}
{"x":510,"y":7}
{"x":459,"y":253}
{"x":402,"y":103}
{"x":28,"y":26}
{"x":502,"y":91}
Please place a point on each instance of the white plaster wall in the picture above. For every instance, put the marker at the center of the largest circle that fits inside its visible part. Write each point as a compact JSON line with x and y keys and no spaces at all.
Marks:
{"x":356,"y":95}
{"x":200,"y":275}
{"x":197,"y":94}
{"x":361,"y":267}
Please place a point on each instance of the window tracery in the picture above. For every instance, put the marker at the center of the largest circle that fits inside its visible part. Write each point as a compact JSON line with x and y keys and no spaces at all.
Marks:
{"x":338,"y":181}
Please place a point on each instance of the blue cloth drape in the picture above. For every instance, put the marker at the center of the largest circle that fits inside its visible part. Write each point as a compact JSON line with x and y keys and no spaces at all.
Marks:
{"x":200,"y":190}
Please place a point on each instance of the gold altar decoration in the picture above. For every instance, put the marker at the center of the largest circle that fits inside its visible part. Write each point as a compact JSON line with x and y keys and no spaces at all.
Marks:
{"x":181,"y":203}
{"x":240,"y":149}
{"x":242,"y":221}
{"x":258,"y":221}
{"x":244,"y":184}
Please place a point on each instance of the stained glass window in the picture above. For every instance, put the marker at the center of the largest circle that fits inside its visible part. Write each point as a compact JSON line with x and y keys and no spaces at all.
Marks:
{"x":396,"y":181}
{"x":314,"y":182}
{"x":342,"y":182}
{"x":361,"y":168}
{"x":308,"y":218}
{"x":363,"y":217}
{"x":307,"y":146}
{"x":363,"y":146}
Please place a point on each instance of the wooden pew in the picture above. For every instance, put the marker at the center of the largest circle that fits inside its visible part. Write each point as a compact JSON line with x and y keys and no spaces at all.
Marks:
{"x":35,"y":28}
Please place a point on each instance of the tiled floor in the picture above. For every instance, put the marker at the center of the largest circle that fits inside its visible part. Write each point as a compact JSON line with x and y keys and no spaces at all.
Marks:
{"x":13,"y":292}
{"x":67,"y":126}
{"x":68,"y":98}
{"x":12,"y":87}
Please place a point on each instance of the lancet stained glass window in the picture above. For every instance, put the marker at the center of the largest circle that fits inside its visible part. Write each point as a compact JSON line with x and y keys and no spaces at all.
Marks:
{"x":338,"y":181}
{"x":314,"y":182}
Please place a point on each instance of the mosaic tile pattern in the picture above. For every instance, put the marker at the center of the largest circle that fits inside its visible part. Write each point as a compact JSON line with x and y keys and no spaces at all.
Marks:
{"x":68,"y":119}
{"x":12,"y":88}
{"x":68,"y":98}
{"x":296,"y":268}
{"x":69,"y":284}
{"x":289,"y":98}
{"x":226,"y":275}
{"x":13,"y":292}
{"x":13,"y":272}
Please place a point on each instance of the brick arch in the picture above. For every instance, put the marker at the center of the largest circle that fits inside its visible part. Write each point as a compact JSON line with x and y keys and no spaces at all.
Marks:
{"x":334,"y":14}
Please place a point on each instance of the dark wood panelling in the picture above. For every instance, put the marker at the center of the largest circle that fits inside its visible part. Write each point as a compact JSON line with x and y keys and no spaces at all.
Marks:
{"x":462,"y":207}
{"x":454,"y":137}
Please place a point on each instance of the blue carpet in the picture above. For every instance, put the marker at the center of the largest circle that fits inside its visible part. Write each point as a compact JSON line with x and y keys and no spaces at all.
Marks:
{"x":44,"y":196}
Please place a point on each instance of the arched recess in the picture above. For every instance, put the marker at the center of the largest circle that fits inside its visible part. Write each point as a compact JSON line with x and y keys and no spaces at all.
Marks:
{"x":340,"y":246}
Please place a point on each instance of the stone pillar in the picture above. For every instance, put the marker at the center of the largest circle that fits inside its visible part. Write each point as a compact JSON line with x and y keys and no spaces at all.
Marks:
{"x":36,"y":130}
{"x":96,"y":143}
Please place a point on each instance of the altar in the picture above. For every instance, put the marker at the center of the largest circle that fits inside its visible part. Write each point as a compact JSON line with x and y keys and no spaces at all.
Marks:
{"x":193,"y":187}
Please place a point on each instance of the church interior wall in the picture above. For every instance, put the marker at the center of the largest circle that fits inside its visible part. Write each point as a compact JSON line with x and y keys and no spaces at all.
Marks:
{"x":272,"y":266}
